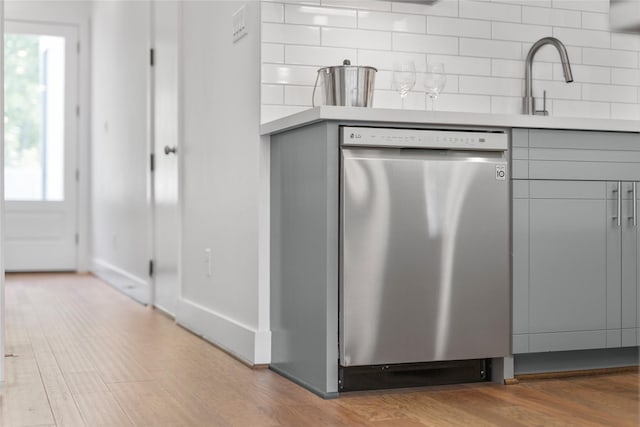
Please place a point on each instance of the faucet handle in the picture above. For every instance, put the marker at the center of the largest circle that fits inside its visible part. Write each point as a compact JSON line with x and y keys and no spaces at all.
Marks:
{"x":544,"y":111}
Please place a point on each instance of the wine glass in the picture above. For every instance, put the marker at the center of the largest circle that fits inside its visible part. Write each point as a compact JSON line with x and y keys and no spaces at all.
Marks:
{"x":404,"y":78}
{"x":434,"y":81}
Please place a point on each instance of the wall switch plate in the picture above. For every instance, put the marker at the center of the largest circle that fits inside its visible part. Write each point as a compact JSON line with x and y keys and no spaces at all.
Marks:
{"x":239,"y":23}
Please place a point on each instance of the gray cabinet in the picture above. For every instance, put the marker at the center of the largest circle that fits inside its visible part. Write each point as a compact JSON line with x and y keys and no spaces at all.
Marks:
{"x":575,"y":267}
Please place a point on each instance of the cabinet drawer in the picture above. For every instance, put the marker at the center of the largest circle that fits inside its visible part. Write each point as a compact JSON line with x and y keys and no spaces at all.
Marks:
{"x":583,"y":140}
{"x":577,"y":155}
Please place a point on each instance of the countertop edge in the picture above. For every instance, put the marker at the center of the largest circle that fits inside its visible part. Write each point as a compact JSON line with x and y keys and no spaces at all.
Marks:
{"x":390,"y":116}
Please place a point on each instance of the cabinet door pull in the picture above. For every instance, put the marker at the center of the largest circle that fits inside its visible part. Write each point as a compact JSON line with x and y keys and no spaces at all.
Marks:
{"x":634,"y":204}
{"x":618,"y":191}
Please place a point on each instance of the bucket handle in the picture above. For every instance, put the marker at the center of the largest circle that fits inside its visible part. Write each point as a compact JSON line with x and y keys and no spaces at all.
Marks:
{"x":315,"y":85}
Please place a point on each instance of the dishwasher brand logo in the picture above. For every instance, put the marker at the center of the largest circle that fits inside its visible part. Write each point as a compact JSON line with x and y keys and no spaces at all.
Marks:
{"x":355,"y":136}
{"x":501,"y":172}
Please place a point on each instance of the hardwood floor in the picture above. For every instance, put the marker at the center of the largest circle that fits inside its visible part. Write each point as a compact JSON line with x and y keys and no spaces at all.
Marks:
{"x":80,"y":353}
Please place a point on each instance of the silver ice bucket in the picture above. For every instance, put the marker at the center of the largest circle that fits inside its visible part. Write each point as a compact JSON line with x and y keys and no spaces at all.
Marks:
{"x":347,"y":85}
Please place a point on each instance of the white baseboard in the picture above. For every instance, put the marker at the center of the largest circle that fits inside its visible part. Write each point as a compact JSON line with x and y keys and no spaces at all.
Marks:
{"x":130,"y":284}
{"x":251,"y":346}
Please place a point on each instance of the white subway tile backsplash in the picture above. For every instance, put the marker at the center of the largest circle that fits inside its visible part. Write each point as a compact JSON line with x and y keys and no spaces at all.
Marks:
{"x":452,"y":85}
{"x":391,"y":22}
{"x":383,"y":80}
{"x":386,"y":99}
{"x":490,"y":11}
{"x":584,"y":73}
{"x":423,"y":43}
{"x":625,"y":41}
{"x":391,"y":99}
{"x":506,"y":104}
{"x":321,"y":16}
{"x":463,"y":64}
{"x":294,"y":34}
{"x":491,"y":86}
{"x":366,"y":39}
{"x":601,"y":6}
{"x":318,"y":56}
{"x":299,"y":95}
{"x":610,"y":58}
{"x":625,"y":76}
{"x":307,"y":2}
{"x":288,"y":74}
{"x":458,"y":27}
{"x":519,"y":32}
{"x":537,"y":3}
{"x":490,"y":48}
{"x":359,"y":4}
{"x":466,"y":103}
{"x":588,"y":38}
{"x":483,"y":44}
{"x":557,"y":89}
{"x":547,"y":16}
{"x":272,"y":53}
{"x":595,"y":21}
{"x":608,"y":93}
{"x":440,"y":8}
{"x":625,"y":111}
{"x":586,"y":109}
{"x":384,"y":60}
{"x":272,"y":94}
{"x":548,"y":53}
{"x":515,"y":69}
{"x":272,"y":12}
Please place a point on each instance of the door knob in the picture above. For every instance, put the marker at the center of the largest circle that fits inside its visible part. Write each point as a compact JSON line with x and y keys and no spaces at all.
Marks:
{"x":168,"y":150}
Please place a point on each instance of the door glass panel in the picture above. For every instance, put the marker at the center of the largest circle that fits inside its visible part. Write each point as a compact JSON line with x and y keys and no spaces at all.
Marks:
{"x":34,"y":117}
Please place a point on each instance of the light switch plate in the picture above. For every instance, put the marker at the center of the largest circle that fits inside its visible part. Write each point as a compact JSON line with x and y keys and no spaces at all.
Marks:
{"x":239,"y":23}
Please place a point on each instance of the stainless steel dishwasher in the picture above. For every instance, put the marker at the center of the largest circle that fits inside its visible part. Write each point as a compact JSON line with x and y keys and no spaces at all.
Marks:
{"x":425,"y":262}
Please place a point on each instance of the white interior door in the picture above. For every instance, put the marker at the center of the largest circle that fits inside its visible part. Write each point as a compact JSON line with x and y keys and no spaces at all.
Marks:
{"x":165,"y":137}
{"x":41,"y":125}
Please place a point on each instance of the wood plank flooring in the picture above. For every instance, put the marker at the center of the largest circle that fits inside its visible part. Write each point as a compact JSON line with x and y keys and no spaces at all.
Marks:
{"x":80,"y":353}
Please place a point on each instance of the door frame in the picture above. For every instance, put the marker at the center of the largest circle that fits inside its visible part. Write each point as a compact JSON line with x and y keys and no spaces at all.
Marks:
{"x":77,"y":17}
{"x":151,"y":120}
{"x":71,"y":117}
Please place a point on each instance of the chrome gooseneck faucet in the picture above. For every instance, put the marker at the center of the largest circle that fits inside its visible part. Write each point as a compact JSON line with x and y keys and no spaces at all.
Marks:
{"x":528,"y":106}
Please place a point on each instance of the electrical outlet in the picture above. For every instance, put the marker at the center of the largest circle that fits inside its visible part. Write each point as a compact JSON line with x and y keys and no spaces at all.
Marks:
{"x":239,"y":23}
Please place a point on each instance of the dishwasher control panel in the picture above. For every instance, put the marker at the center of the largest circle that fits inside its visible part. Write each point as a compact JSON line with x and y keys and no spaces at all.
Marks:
{"x":424,"y":138}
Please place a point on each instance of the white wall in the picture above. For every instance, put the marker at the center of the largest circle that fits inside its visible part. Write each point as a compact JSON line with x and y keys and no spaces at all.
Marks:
{"x":222,"y":166}
{"x":482,"y":43}
{"x":119,"y":158}
{"x":77,"y":14}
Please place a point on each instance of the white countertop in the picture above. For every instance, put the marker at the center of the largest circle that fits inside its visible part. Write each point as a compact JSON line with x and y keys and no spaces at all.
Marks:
{"x":405,"y":117}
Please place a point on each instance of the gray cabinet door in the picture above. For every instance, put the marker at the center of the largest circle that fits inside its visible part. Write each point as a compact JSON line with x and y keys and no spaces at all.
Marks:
{"x":574,"y":265}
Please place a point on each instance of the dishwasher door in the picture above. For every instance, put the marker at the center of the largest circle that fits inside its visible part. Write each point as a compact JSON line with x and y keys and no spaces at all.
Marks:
{"x":425,"y":260}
